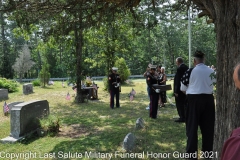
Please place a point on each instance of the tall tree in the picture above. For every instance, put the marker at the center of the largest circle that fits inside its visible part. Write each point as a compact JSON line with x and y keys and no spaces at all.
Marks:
{"x":66,"y":16}
{"x":23,"y":62}
{"x":5,"y":67}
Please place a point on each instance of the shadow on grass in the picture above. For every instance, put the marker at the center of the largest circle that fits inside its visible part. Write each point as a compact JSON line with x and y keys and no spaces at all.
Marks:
{"x":29,"y":138}
{"x":151,"y":140}
{"x":47,"y":87}
{"x":101,"y":129}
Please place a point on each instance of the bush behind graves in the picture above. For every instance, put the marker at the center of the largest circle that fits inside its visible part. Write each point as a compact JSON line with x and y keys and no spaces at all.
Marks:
{"x":106,"y":84}
{"x":44,"y":74}
{"x":36,"y":82}
{"x":11,"y":85}
{"x":123,"y":69}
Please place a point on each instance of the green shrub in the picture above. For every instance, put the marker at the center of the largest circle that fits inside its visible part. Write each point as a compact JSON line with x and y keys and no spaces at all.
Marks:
{"x":44,"y":74}
{"x":10,"y":85}
{"x":106,"y":85}
{"x":50,"y":124}
{"x":123,"y":69}
{"x":36,"y":82}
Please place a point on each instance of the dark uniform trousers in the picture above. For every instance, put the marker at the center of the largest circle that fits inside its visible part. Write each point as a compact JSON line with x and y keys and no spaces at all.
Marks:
{"x":114,"y":92}
{"x":113,"y":79}
{"x":180,"y":103}
{"x":154,"y":105}
{"x":200,"y":111}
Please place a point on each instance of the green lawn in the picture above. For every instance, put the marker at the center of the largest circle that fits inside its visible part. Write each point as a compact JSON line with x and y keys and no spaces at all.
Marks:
{"x":94,"y":127}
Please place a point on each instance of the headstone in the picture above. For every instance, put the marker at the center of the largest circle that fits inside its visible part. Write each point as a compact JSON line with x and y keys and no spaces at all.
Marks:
{"x":25,"y":118}
{"x":27,"y":88}
{"x":139,"y":123}
{"x":129,"y":142}
{"x":3,"y":94}
{"x":10,"y":105}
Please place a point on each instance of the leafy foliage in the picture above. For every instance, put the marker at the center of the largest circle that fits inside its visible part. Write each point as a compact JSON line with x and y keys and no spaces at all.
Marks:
{"x":23,"y":63}
{"x":50,"y":124}
{"x":36,"y":82}
{"x":44,"y":74}
{"x":105,"y":84}
{"x":11,"y":85}
{"x":123,"y":70}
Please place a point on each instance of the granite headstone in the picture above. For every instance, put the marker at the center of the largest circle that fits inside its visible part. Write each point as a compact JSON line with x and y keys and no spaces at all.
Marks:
{"x":25,"y":118}
{"x":10,"y":105}
{"x":27,"y":88}
{"x":129,"y":142}
{"x":139,"y":123}
{"x":3,"y":94}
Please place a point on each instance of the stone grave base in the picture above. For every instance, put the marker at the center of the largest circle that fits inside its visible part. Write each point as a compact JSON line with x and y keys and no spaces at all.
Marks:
{"x":10,"y":139}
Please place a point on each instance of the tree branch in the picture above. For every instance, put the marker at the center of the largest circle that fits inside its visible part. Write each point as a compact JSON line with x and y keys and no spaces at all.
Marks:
{"x":207,"y":7}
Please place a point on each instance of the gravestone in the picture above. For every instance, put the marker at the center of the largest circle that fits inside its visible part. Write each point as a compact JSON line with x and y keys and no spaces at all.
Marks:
{"x":10,"y":105}
{"x":25,"y":118}
{"x":27,"y":88}
{"x":139,"y":123}
{"x":129,"y":142}
{"x":3,"y":94}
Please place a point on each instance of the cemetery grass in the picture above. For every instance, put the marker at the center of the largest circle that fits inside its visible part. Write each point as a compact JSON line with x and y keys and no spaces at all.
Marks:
{"x":94,"y":127}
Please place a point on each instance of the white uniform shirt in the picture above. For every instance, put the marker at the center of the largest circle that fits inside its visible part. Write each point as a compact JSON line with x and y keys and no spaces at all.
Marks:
{"x":200,"y":81}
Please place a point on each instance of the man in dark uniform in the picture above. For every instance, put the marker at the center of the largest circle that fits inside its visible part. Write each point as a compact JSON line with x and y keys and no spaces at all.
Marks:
{"x":114,"y":84}
{"x":179,"y":95}
{"x":151,"y":80}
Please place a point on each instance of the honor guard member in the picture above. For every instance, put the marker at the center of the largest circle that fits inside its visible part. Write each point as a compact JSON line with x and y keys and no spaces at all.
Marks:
{"x":201,"y":107}
{"x":114,"y":87}
{"x":179,"y":95}
{"x":154,"y":96}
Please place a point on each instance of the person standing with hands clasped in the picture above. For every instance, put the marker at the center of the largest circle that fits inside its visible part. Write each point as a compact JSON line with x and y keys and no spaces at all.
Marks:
{"x":154,"y":96}
{"x":201,"y":107}
{"x":179,"y":95}
{"x":114,"y":87}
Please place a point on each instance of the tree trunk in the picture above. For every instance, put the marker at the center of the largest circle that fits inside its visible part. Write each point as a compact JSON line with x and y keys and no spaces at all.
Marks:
{"x":79,"y":45}
{"x":228,"y":55}
{"x":5,"y":72}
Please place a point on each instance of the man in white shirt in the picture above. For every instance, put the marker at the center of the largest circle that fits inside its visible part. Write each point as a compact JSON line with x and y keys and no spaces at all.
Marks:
{"x":201,"y":107}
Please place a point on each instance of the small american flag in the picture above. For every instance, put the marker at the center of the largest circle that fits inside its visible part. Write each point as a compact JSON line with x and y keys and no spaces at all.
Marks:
{"x":133,"y":92}
{"x":5,"y":108}
{"x":68,"y":97}
{"x":131,"y":97}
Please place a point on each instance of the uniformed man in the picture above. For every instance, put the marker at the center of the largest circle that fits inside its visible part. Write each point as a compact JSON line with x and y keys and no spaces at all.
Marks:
{"x":179,"y":95}
{"x":154,"y":96}
{"x":114,"y":87}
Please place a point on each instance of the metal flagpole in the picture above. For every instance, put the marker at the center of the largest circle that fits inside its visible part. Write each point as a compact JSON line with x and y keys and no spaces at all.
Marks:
{"x":189,"y":37}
